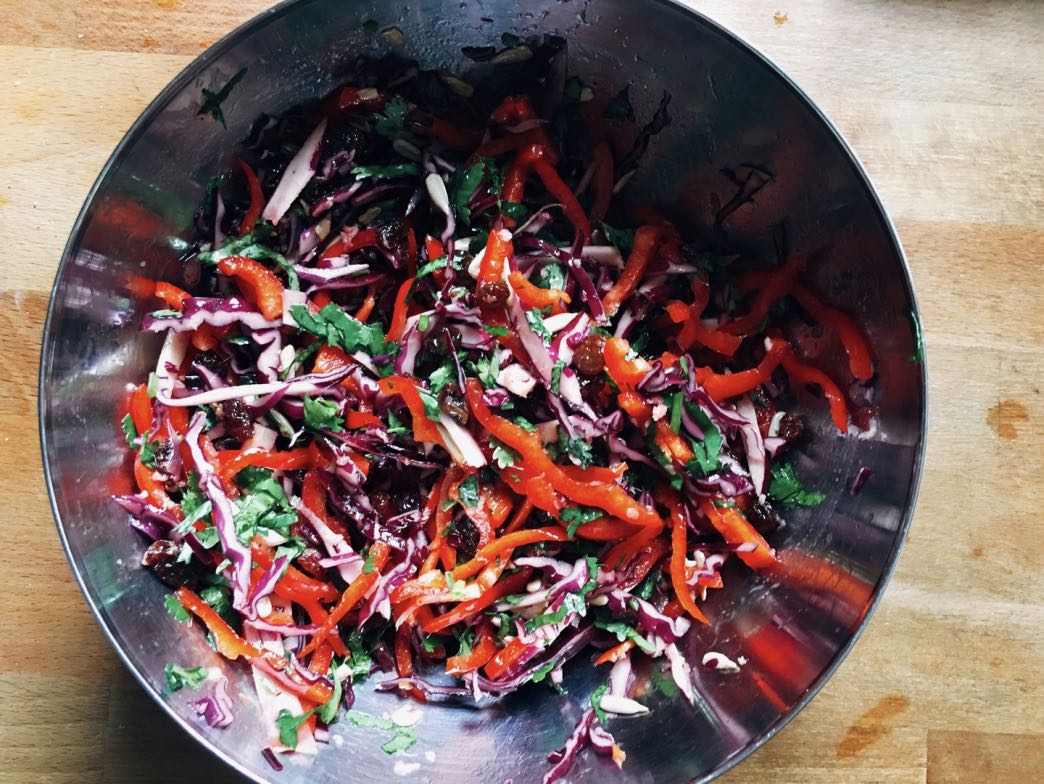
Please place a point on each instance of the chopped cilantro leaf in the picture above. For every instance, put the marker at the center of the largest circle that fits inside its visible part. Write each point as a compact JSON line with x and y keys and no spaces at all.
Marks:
{"x":786,"y":488}
{"x":322,"y":414}
{"x":575,"y":516}
{"x":463,"y":185}
{"x":174,"y":608}
{"x":578,"y":450}
{"x":536,"y":323}
{"x":596,"y":701}
{"x":127,"y":426}
{"x":179,"y":677}
{"x":468,"y":492}
{"x":556,"y":376}
{"x":551,"y":276}
{"x":339,"y":329}
{"x":288,"y":725}
{"x":386,"y":172}
{"x":429,"y":267}
{"x":442,"y":377}
{"x":431,"y":404}
{"x":495,"y":331}
{"x":504,"y":456}
{"x":625,"y":632}
{"x":623,"y":239}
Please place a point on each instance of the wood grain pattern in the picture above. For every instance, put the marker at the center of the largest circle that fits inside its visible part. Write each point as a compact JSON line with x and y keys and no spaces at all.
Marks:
{"x":944,"y":103}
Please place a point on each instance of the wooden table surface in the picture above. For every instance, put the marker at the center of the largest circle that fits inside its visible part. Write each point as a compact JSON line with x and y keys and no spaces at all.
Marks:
{"x":944,"y":102}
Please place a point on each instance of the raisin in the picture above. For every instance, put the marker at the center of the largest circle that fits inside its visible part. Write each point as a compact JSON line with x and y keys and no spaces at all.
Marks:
{"x":405,"y":499}
{"x":308,"y":562}
{"x":162,"y":560}
{"x":763,"y":517}
{"x":453,"y":404}
{"x":492,"y":294}
{"x":590,"y":356}
{"x":238,"y":420}
{"x":764,"y":414}
{"x":381,"y":502}
{"x":791,"y":427}
{"x":464,"y":539}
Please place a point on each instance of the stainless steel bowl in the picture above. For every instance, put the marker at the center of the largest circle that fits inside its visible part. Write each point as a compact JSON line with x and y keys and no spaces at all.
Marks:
{"x":731,"y":108}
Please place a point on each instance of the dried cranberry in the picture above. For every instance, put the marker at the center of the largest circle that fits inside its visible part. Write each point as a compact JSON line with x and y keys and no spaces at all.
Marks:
{"x":162,"y":559}
{"x":590,"y":356}
{"x":492,"y":294}
{"x":764,"y":414}
{"x":308,"y":533}
{"x":453,"y":404}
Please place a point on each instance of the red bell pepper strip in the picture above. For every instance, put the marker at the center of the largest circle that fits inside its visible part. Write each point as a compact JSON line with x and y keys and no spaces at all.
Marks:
{"x":229,"y":644}
{"x":148,"y":484}
{"x":498,"y":251}
{"x":403,"y":654}
{"x":294,"y":585}
{"x":646,"y":240}
{"x":679,"y":546}
{"x":261,"y":283}
{"x":723,"y":386}
{"x":605,"y":529}
{"x":406,"y":388}
{"x":349,"y":241}
{"x":514,"y":182}
{"x":433,"y":247}
{"x":520,"y":518}
{"x":504,"y":545}
{"x":257,"y":198}
{"x":399,"y":312}
{"x":171,"y":295}
{"x":508,"y":657}
{"x":509,"y":143}
{"x":626,"y":374}
{"x":320,"y":661}
{"x":622,"y":553}
{"x":352,"y":595}
{"x":609,"y":497}
{"x":512,"y":584}
{"x":556,"y":186}
{"x":615,"y":653}
{"x":451,"y":137}
{"x":643,"y":562}
{"x":481,"y":652}
{"x":354,"y":420}
{"x":350,"y":96}
{"x":672,"y":444}
{"x":232,"y":461}
{"x":779,"y":284}
{"x":859,"y":362}
{"x":141,"y":409}
{"x":806,"y":374}
{"x":534,"y":298}
{"x":734,"y":528}
{"x":232,"y":646}
{"x":602,"y":180}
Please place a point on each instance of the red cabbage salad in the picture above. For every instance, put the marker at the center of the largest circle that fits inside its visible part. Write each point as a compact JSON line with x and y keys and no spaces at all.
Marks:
{"x":442,"y":406}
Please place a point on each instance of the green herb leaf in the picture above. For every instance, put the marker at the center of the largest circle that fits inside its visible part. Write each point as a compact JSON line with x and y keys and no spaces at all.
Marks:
{"x":390,"y":122}
{"x":322,"y":414}
{"x":487,"y":368}
{"x":431,"y":404}
{"x":576,"y":448}
{"x":442,"y":377}
{"x":175,"y":608}
{"x":401,"y":741}
{"x":327,"y":712}
{"x":429,"y":267}
{"x":369,"y":562}
{"x":517,"y":212}
{"x":575,"y":516}
{"x":786,"y":488}
{"x":339,"y":329}
{"x":396,"y":427}
{"x":556,"y":376}
{"x":625,"y":632}
{"x":572,"y":603}
{"x":288,"y":725}
{"x":463,"y":185}
{"x":543,"y":672}
{"x":596,"y":701}
{"x":536,"y":323}
{"x":359,"y":661}
{"x":525,"y":424}
{"x":386,"y":172}
{"x":504,"y":456}
{"x":497,"y":332}
{"x":551,"y":276}
{"x":619,"y":108}
{"x":676,"y":411}
{"x":179,"y":677}
{"x":468,"y":492}
{"x":264,"y":507}
{"x":623,"y":239}
{"x":129,"y":433}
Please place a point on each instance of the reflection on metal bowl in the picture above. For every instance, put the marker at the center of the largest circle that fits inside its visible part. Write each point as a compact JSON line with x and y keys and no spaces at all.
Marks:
{"x":732,"y":109}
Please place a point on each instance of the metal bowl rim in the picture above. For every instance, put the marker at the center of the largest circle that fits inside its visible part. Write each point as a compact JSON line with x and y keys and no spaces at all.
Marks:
{"x":244,"y":30}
